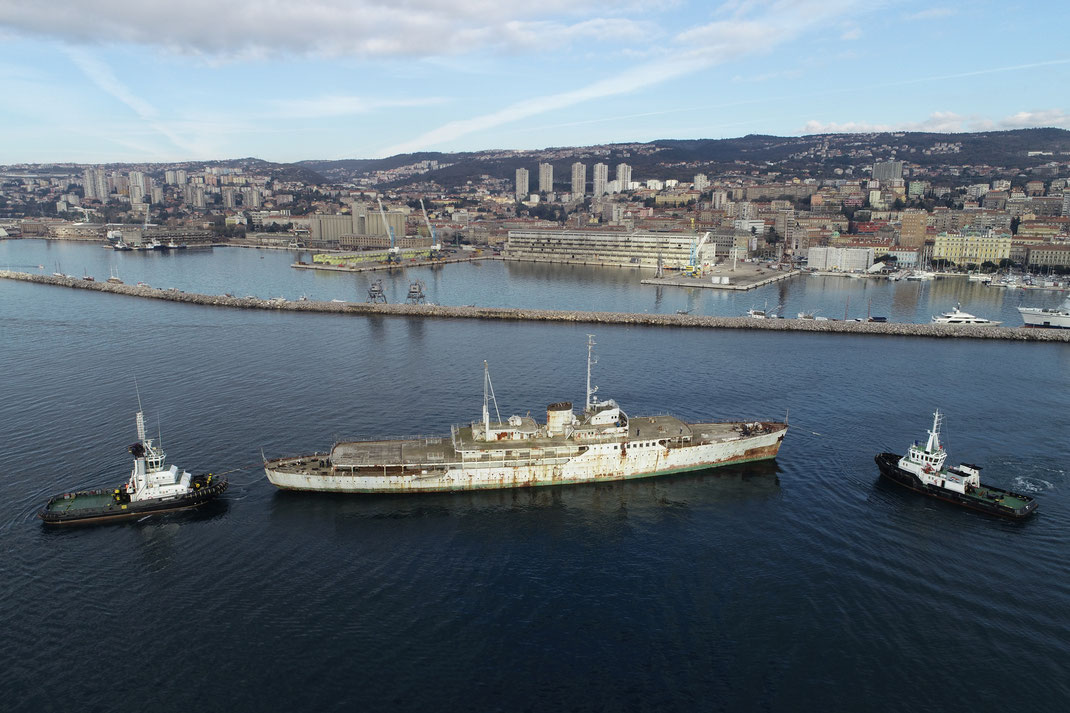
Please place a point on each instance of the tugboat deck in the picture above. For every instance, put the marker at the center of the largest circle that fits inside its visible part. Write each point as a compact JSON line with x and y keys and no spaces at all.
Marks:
{"x":95,"y":500}
{"x":999,"y":497}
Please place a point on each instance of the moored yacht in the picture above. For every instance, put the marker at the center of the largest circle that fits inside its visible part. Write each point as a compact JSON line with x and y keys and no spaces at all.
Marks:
{"x":1052,"y":317}
{"x":957,"y":316}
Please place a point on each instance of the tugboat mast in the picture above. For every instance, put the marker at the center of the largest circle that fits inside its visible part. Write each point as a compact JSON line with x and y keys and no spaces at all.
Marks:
{"x":934,"y":435}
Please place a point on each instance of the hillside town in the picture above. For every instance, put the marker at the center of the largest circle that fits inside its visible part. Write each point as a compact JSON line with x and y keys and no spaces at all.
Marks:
{"x":832,"y":203}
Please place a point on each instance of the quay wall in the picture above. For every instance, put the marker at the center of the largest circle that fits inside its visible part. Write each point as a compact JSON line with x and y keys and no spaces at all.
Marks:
{"x":545,"y":315}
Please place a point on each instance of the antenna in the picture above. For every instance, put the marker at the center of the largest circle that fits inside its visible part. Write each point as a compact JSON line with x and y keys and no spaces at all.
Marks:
{"x":590,"y":360}
{"x":138,"y":392}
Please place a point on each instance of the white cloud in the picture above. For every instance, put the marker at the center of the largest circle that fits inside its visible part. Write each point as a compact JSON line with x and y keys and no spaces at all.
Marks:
{"x":933,"y":13}
{"x":1044,"y":117}
{"x":851,"y":33}
{"x":752,"y":26}
{"x":194,"y":139}
{"x":253,"y":28}
{"x":945,"y":122}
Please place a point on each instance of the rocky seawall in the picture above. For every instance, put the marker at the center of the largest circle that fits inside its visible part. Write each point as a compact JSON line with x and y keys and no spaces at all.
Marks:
{"x":546,"y":315}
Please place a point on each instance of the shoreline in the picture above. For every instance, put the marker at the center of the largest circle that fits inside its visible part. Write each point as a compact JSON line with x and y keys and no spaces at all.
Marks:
{"x":515,"y":314}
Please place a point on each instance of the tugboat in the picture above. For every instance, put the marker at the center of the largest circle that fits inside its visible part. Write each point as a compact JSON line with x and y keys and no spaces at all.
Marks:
{"x":152,"y":488}
{"x":922,"y":469}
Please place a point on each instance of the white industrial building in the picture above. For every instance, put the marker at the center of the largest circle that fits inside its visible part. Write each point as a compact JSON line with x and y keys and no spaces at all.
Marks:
{"x":842,"y":259}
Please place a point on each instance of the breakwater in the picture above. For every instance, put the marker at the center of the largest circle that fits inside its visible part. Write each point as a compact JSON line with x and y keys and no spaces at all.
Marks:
{"x":545,"y":315}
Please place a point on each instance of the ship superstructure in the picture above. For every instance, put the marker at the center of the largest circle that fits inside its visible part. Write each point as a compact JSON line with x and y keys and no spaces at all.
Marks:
{"x":601,"y":442}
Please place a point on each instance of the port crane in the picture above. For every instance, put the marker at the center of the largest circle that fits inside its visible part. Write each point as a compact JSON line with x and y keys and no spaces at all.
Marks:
{"x":376,"y":292}
{"x":393,"y":255}
{"x":436,"y":247}
{"x":693,"y":269}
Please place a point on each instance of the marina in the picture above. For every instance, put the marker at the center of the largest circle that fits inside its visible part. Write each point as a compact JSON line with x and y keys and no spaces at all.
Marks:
{"x":693,"y":571}
{"x":521,"y":285}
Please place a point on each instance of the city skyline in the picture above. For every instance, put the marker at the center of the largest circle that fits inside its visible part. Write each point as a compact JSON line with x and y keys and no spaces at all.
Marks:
{"x":135,"y":83}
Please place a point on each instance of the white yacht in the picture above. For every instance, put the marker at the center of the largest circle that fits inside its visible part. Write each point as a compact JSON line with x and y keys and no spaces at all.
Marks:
{"x":957,"y":316}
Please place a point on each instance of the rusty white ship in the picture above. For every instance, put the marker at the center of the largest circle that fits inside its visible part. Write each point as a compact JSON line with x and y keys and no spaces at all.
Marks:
{"x":600,"y":444}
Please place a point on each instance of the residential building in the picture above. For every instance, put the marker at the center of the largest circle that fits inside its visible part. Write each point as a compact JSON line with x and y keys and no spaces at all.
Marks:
{"x":579,"y":181}
{"x":522,"y":184}
{"x":624,"y":176}
{"x":1049,"y":255}
{"x":137,"y":186}
{"x":912,"y":226}
{"x":546,"y":178}
{"x":601,"y":178}
{"x":885,"y":171}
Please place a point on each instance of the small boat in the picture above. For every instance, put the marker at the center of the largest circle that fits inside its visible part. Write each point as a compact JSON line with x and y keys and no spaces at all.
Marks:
{"x":923,"y":469}
{"x":152,"y":488}
{"x":1054,"y":318}
{"x":754,"y":313}
{"x":921,"y":276}
{"x":957,"y":316}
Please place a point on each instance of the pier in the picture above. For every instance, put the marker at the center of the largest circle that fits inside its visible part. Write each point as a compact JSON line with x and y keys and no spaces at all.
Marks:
{"x":546,"y":315}
{"x":376,"y":266}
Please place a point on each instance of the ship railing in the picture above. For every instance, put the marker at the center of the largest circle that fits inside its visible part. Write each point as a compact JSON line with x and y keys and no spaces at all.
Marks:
{"x":428,"y":439}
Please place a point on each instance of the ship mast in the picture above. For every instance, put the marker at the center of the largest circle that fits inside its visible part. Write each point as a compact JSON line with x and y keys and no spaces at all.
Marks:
{"x":486,"y":399}
{"x":488,"y":396}
{"x":590,"y":360}
{"x":934,"y":435}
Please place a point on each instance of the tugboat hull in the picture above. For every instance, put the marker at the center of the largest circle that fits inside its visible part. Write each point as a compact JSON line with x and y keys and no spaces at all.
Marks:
{"x":989,"y":499}
{"x":94,"y":506}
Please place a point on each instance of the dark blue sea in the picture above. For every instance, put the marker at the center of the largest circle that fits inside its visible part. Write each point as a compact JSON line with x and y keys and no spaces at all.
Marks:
{"x":795,"y":585}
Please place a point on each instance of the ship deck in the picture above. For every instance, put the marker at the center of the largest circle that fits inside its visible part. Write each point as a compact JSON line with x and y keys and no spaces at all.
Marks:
{"x":439,"y":452}
{"x":998,"y":497}
{"x":81,"y":501}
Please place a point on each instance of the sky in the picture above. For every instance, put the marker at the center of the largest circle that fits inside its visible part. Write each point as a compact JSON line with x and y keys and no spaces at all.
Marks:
{"x":148,"y":81}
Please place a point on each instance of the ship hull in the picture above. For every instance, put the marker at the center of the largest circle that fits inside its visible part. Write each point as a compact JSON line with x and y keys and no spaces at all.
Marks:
{"x":1041,"y":319}
{"x":596,"y":465}
{"x":54,"y":512}
{"x":888,"y":464}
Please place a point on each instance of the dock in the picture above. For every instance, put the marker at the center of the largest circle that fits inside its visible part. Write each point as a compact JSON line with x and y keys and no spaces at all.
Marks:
{"x":512,"y":314}
{"x":742,"y":280}
{"x":390,"y":266}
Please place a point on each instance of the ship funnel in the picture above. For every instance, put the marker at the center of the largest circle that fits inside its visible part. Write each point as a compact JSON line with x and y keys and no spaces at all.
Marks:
{"x":558,"y":418}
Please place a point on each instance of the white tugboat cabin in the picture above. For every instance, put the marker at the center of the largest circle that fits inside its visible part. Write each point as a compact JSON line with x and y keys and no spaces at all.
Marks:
{"x":928,"y":464}
{"x":151,"y":479}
